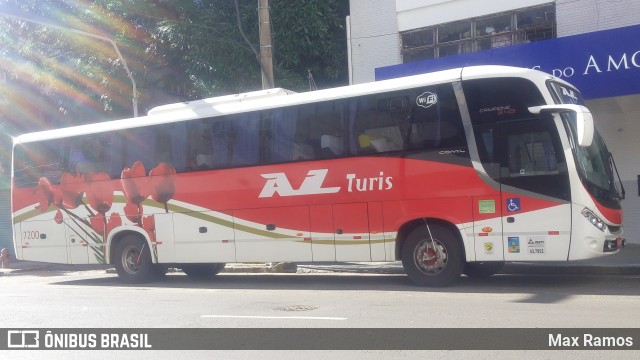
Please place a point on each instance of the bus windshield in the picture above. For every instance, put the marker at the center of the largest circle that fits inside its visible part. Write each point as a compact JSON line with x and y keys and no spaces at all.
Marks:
{"x":594,"y":162}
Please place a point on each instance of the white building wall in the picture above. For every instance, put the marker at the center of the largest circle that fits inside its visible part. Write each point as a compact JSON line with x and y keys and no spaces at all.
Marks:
{"x":374,"y":40}
{"x":375,"y":27}
{"x":414,"y":14}
{"x":583,"y":16}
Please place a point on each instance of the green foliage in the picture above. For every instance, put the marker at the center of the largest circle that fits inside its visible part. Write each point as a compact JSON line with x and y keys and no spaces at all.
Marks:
{"x":59,"y":77}
{"x":204,"y":37}
{"x":310,"y":35}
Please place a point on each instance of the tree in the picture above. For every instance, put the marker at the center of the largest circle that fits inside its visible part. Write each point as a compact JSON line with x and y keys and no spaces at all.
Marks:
{"x":206,"y":41}
{"x":60,"y":78}
{"x":70,"y":78}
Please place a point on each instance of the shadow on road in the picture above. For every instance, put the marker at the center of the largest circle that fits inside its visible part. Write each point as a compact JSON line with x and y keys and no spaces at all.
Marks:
{"x":543,"y":288}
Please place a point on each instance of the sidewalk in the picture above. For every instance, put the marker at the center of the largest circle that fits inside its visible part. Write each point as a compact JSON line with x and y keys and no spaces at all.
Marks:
{"x":626,"y":262}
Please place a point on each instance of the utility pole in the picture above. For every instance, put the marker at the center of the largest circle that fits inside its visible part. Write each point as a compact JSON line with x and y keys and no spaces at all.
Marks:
{"x":266,"y":51}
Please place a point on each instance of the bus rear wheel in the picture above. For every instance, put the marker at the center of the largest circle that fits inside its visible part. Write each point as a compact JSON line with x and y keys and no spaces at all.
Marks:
{"x":133,"y":261}
{"x":431,"y":256}
{"x":202,"y":271}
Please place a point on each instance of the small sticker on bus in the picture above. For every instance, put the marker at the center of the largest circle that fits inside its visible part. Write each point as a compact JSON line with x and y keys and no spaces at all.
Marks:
{"x":427,"y":99}
{"x":513,"y":204}
{"x":488,"y":248}
{"x":514,"y":244}
{"x":487,"y":206}
{"x":536,"y":245}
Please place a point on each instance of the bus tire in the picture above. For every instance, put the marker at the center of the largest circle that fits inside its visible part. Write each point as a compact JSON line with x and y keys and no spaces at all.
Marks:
{"x":202,"y":271}
{"x":482,"y":270}
{"x":133,"y":261}
{"x":419,"y":258}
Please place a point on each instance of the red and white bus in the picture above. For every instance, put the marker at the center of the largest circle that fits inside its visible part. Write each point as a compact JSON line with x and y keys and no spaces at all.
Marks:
{"x":451,"y":172}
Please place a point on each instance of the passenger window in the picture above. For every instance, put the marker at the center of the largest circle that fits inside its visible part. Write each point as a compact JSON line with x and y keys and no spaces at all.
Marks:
{"x":239,"y":144}
{"x":140,"y":145}
{"x":436,"y":123}
{"x":305,"y":132}
{"x":415,"y":120}
{"x":96,"y":153}
{"x":376,"y":123}
{"x":35,"y":160}
{"x":224,"y":142}
{"x":171,"y":146}
{"x":201,"y":145}
{"x":156,"y":144}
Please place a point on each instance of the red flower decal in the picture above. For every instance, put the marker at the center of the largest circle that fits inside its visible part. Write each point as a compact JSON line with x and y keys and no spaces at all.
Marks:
{"x":149,"y":224}
{"x":46,"y":195}
{"x":58,"y":217}
{"x":163,"y":182}
{"x":133,"y":212}
{"x":100,"y":192}
{"x":72,"y":188}
{"x":114,"y":221}
{"x":97,"y":223}
{"x":134,"y":183}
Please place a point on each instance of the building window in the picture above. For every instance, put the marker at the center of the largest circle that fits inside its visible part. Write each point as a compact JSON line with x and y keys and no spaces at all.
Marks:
{"x":477,"y":34}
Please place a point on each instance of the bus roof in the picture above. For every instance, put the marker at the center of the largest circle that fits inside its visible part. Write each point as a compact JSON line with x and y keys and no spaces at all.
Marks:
{"x":248,"y":96}
{"x":274,"y":98}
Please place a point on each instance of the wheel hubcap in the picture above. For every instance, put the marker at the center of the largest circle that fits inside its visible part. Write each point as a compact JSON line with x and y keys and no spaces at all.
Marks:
{"x":431,"y":256}
{"x":131,"y":260}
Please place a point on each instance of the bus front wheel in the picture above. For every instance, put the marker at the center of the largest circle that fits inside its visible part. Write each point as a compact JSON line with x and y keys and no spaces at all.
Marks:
{"x":133,"y":261}
{"x":431,"y":256}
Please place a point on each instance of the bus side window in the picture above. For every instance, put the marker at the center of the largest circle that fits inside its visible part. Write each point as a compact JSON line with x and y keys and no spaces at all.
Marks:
{"x":236,"y":140}
{"x":246,"y":146}
{"x":283,"y":126}
{"x":171,"y":146}
{"x":91,"y":154}
{"x":376,"y":123}
{"x":35,"y":160}
{"x":140,"y":146}
{"x":305,"y":132}
{"x":201,"y":146}
{"x":436,"y":123}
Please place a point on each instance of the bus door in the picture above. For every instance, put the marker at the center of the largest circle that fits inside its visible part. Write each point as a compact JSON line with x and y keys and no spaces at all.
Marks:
{"x":44,"y":240}
{"x":535,"y":191}
{"x":351,"y":222}
{"x":273,"y":234}
{"x":322,"y":233}
{"x":78,"y":242}
{"x":199,"y":237}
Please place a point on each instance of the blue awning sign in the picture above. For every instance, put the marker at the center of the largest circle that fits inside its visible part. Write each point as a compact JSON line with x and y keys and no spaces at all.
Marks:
{"x":601,"y":64}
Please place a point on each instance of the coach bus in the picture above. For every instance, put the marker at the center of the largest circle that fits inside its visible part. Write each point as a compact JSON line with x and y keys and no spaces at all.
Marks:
{"x":452,"y":172}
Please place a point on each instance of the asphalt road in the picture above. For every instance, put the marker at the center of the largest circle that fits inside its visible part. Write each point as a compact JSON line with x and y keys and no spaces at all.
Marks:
{"x":88,"y":299}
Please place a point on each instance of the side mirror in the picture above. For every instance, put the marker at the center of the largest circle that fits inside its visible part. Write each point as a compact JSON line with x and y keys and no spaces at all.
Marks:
{"x":584,"y":119}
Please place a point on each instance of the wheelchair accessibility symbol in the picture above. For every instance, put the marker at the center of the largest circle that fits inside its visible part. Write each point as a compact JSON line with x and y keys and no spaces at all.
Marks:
{"x":513,"y":204}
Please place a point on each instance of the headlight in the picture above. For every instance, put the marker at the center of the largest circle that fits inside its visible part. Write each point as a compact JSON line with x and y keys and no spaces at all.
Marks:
{"x":593,"y":219}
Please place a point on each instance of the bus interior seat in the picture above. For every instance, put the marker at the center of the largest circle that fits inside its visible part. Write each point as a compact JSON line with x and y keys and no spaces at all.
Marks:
{"x":331,"y":145}
{"x":302,"y":151}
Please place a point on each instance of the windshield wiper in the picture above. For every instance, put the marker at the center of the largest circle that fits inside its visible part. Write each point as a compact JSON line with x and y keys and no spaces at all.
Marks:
{"x":612,"y":164}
